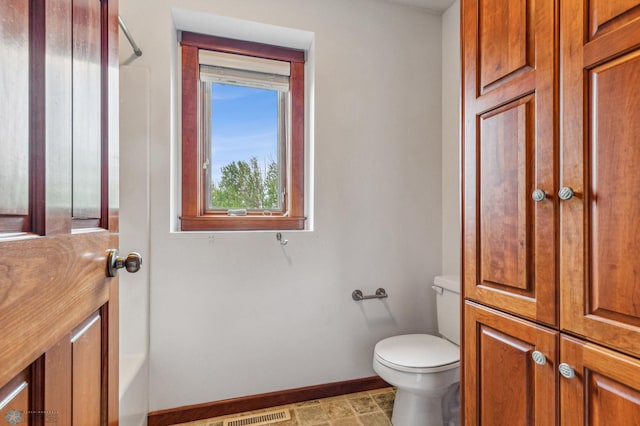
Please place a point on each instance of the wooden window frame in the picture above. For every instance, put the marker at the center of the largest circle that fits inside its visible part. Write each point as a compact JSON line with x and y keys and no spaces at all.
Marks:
{"x":194,"y":215}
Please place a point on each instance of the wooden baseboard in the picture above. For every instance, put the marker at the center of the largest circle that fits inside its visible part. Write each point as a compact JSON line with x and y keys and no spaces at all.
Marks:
{"x":264,"y":400}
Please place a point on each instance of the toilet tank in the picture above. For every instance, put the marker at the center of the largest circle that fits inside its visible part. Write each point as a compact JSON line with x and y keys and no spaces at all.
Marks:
{"x":447,"y":288}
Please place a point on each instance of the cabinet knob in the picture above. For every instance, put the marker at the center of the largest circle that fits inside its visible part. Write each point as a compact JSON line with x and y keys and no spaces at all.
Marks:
{"x":538,"y":195}
{"x":539,"y":358}
{"x":566,"y":371}
{"x":566,"y":193}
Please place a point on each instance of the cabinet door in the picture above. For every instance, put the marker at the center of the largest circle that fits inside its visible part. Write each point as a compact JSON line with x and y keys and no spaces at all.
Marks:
{"x":502,"y":383}
{"x":600,"y":226}
{"x":605,"y":389}
{"x":509,"y":240}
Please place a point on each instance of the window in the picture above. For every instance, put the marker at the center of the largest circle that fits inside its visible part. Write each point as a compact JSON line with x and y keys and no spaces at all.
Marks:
{"x":242,"y":135}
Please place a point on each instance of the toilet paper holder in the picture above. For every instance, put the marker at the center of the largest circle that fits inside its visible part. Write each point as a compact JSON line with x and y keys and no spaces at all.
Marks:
{"x":358,"y":296}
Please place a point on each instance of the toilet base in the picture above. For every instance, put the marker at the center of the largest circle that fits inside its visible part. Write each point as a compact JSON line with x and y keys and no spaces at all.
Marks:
{"x":410,"y":409}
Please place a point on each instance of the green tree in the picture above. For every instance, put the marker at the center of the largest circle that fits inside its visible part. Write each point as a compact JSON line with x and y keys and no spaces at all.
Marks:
{"x":271,"y":185}
{"x":244,"y":185}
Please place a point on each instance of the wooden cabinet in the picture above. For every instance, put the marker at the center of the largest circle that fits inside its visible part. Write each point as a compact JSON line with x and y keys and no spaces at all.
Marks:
{"x":600,"y":225}
{"x":504,"y":385}
{"x":551,"y":233}
{"x":605,"y":389}
{"x":509,"y":67}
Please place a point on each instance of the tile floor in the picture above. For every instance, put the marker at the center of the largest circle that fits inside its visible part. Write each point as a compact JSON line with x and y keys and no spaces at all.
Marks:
{"x":371,"y":408}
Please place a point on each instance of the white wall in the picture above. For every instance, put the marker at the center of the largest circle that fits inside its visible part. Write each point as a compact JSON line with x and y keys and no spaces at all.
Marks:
{"x":236,"y":314}
{"x":451,"y":139}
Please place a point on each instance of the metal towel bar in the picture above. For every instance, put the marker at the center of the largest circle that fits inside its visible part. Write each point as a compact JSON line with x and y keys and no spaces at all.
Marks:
{"x":358,"y":296}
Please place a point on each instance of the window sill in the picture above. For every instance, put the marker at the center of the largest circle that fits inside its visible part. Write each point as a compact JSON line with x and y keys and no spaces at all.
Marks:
{"x":241,"y":223}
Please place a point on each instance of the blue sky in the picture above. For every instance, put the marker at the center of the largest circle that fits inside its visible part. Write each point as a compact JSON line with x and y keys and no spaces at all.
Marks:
{"x":244,"y":123}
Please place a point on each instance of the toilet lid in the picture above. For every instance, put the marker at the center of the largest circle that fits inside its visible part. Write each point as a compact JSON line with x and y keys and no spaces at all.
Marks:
{"x":417,"y":351}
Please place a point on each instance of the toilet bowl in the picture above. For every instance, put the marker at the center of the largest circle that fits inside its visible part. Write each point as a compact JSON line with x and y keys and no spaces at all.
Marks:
{"x":425,"y":369}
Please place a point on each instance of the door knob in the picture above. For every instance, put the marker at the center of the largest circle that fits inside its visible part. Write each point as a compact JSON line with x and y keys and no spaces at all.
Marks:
{"x":538,"y":195}
{"x":132,"y":262}
{"x":566,"y":193}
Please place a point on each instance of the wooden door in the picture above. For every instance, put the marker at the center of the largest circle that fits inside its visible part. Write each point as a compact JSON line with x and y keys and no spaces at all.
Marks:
{"x":502,"y":383}
{"x":605,"y":389}
{"x":15,"y":399}
{"x":509,"y":151}
{"x":58,"y":211}
{"x":600,"y":226}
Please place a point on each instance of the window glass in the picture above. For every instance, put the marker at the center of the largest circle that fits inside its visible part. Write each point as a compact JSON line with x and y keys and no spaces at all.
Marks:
{"x":244,"y":142}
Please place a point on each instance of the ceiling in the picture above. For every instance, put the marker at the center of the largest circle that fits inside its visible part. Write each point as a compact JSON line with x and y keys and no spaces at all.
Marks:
{"x":438,"y":5}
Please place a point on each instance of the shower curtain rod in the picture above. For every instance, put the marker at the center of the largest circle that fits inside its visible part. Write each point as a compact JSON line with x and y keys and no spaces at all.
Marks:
{"x":135,"y":47}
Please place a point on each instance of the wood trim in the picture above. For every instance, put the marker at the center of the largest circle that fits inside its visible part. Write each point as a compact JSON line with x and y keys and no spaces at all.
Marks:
{"x":194,"y":217}
{"x":190,"y":143}
{"x":241,"y":47}
{"x":297,"y":140}
{"x":261,"y":401}
{"x":241,"y":223}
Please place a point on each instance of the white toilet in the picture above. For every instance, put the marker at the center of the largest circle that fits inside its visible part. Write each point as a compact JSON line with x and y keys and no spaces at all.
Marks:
{"x":426,"y":369}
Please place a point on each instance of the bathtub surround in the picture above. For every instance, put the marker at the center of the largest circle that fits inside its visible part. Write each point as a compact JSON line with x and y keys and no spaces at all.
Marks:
{"x":235,"y":314}
{"x":134,"y":236}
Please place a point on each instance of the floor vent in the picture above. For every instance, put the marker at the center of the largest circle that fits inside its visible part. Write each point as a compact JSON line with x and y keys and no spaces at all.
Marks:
{"x":259,"y":419}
